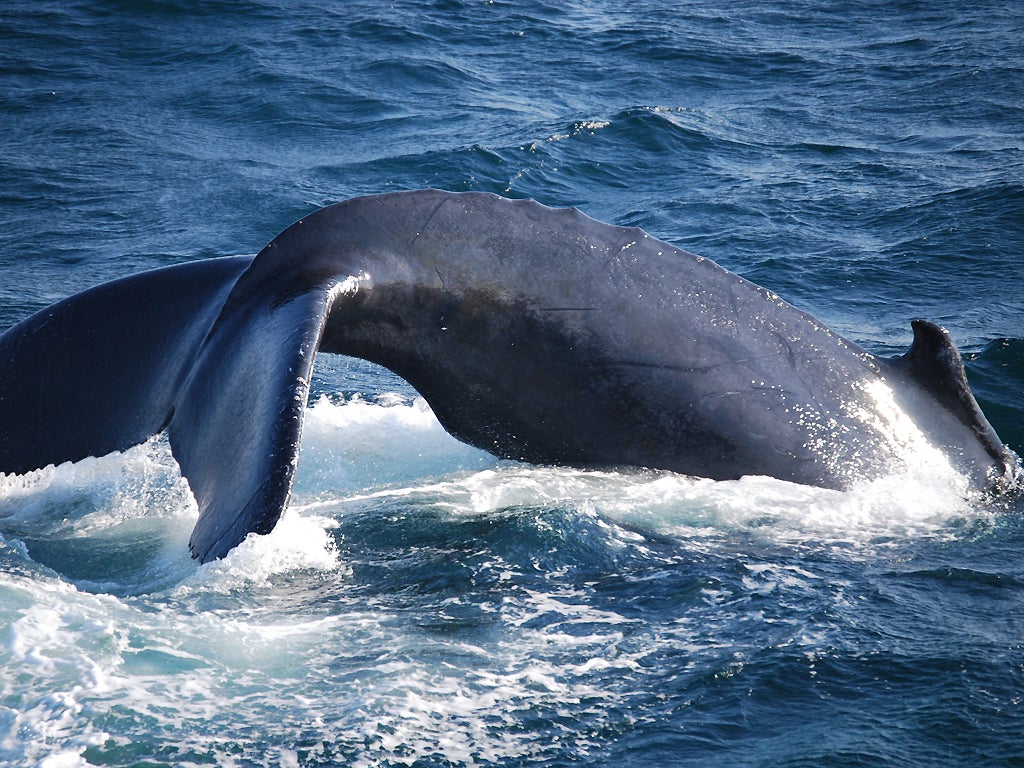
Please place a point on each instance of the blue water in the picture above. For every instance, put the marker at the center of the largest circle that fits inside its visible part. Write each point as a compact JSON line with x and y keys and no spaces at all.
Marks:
{"x":422,"y":603}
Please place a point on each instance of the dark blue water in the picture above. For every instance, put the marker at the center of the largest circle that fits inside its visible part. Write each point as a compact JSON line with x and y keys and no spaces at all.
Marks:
{"x":422,"y":603}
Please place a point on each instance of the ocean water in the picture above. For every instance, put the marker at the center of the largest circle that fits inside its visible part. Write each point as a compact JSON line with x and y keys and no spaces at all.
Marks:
{"x":422,"y":603}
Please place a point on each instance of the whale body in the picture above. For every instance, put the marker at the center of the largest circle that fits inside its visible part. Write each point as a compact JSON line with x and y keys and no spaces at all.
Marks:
{"x":534,"y":333}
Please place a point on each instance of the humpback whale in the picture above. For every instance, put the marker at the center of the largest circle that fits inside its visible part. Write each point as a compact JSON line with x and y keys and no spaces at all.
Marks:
{"x":534,"y":333}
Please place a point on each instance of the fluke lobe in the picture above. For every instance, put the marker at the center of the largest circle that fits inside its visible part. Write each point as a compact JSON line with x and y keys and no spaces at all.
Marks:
{"x":534,"y":333}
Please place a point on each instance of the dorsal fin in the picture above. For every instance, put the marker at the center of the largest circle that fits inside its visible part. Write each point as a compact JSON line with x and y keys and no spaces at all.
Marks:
{"x":934,"y":362}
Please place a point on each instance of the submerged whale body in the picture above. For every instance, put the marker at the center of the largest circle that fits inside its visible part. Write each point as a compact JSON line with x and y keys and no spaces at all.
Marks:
{"x":534,"y":333}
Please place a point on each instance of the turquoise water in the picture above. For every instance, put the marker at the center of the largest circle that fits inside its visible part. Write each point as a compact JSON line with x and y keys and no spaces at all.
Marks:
{"x":423,"y":603}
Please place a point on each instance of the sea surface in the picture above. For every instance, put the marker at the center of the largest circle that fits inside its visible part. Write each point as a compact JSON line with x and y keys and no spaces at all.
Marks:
{"x":422,"y":603}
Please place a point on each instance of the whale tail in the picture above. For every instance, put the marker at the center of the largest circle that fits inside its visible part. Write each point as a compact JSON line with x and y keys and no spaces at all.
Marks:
{"x":534,"y":333}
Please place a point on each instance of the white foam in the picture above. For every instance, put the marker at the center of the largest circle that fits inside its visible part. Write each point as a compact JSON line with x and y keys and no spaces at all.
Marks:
{"x":97,"y":492}
{"x":70,"y":661}
{"x":357,"y":449}
{"x":50,"y":649}
{"x":220,"y":646}
{"x":73,"y":658}
{"x":361,"y":450}
{"x":299,"y":542}
{"x":889,"y":509}
{"x":359,"y":444}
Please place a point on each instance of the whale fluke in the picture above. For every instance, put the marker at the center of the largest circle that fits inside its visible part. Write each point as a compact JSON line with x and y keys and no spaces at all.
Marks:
{"x":101,"y":370}
{"x":534,"y":333}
